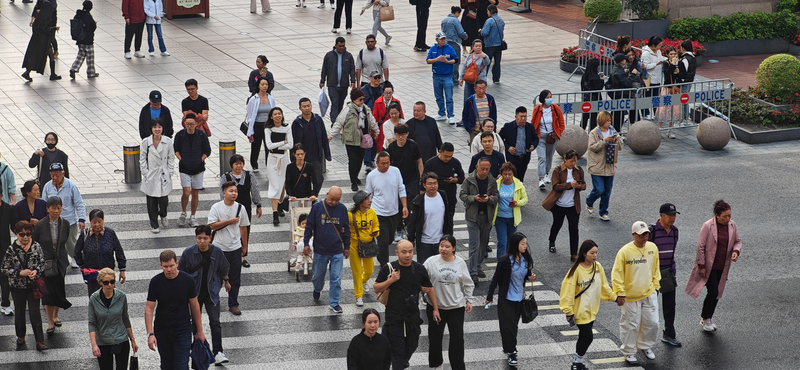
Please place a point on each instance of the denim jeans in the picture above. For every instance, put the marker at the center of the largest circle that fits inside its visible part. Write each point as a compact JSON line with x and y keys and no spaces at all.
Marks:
{"x":505,"y":228}
{"x":544,"y":152}
{"x":443,"y":90}
{"x":234,"y":275}
{"x":469,"y":90}
{"x":173,"y":347}
{"x":601,"y":188}
{"x":368,"y":157}
{"x":425,"y":251}
{"x":161,"y":45}
{"x":320,"y":267}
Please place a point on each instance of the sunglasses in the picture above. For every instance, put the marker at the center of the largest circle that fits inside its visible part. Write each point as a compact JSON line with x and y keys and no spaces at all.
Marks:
{"x":24,"y":235}
{"x":109,"y":282}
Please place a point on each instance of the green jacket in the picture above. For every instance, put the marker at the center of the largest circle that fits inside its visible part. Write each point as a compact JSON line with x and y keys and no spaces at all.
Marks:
{"x":470,"y":189}
{"x":520,"y":195}
{"x":347,"y":124}
{"x":109,"y":324}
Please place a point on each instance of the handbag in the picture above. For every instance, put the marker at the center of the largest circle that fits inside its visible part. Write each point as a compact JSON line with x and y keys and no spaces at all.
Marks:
{"x":244,"y":127}
{"x":366,"y":141}
{"x":551,"y":138}
{"x":668,"y":281}
{"x":472,"y":14}
{"x":387,"y":13}
{"x":611,"y":153}
{"x":503,"y":45}
{"x":134,"y":362}
{"x":529,"y":307}
{"x":39,"y":288}
{"x":365,"y":249}
{"x":383,"y":297}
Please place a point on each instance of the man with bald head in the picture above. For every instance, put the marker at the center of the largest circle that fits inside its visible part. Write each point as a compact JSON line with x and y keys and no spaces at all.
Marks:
{"x":328,"y":224}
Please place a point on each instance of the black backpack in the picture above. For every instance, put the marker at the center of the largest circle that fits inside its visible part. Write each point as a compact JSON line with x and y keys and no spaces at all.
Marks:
{"x":76,"y":28}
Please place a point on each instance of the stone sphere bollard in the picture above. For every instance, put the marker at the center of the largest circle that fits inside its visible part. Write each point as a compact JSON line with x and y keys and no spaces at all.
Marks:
{"x":573,"y":137}
{"x":644,"y":137}
{"x":713,"y":133}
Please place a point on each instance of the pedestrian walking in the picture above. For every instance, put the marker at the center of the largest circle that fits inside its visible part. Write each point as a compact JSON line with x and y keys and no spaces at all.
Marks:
{"x":425,"y":132}
{"x":229,"y":221}
{"x":664,"y":234}
{"x":23,"y":264}
{"x":487,"y":125}
{"x":338,"y":72}
{"x":454,"y":32}
{"x":635,"y":278}
{"x":494,"y":37}
{"x":564,"y":200}
{"x":422,"y":10}
{"x":300,"y":177}
{"x":406,"y":279}
{"x":42,"y":44}
{"x":309,"y":130}
{"x":247,"y":189}
{"x":109,"y":324}
{"x":31,"y":208}
{"x":393,"y":114}
{"x":99,"y":248}
{"x":582,"y":289}
{"x":8,"y":219}
{"x":372,"y":59}
{"x":208,"y":267}
{"x":52,"y":235}
{"x":259,"y":106}
{"x":369,"y":350}
{"x":327,"y":224}
{"x":405,"y":155}
{"x":718,"y":245}
{"x":347,"y":6}
{"x":548,"y":121}
{"x":174,"y":291}
{"x":480,"y":197}
{"x":365,"y":229}
{"x":592,"y":80}
{"x":687,"y":69}
{"x":157,"y":162}
{"x":520,"y":140}
{"x":450,"y":278}
{"x":279,"y":143}
{"x":43,"y":158}
{"x":602,"y":164}
{"x":478,"y":107}
{"x":430,"y":219}
{"x":495,"y":158}
{"x":74,"y":211}
{"x":154,"y":10}
{"x":372,"y":92}
{"x":511,"y":197}
{"x":133,"y":12}
{"x":197,"y":104}
{"x":354,"y":123}
{"x":388,"y":195}
{"x":449,"y":172}
{"x":192,"y":149}
{"x":514,"y":270}
{"x":155,"y":110}
{"x":260,"y":71}
{"x":85,"y":44}
{"x":442,"y":56}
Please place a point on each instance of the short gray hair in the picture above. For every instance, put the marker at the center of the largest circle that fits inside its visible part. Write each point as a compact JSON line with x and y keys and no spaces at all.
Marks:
{"x":53,"y":201}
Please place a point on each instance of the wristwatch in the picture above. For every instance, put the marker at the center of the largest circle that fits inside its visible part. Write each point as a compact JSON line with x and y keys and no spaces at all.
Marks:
{"x":150,"y":335}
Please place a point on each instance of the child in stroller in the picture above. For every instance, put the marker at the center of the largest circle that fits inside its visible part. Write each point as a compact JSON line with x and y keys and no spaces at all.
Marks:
{"x":297,"y":258}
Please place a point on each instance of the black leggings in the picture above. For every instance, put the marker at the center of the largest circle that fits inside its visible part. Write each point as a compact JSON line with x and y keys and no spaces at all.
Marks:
{"x":712,"y":285}
{"x":355,"y":157}
{"x":259,"y":138}
{"x":558,"y":220}
{"x":347,"y":6}
{"x":585,"y":338}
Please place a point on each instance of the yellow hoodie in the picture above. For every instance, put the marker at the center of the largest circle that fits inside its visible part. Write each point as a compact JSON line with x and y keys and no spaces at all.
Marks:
{"x":636,"y":273}
{"x":585,"y":307}
{"x":367,"y":224}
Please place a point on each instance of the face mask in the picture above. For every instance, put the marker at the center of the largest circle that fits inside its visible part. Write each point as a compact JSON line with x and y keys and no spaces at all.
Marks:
{"x":51,"y":145}
{"x":548,"y":101}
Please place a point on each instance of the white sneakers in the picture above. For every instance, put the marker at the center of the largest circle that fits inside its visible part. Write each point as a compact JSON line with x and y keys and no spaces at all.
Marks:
{"x":388,"y":38}
{"x":165,"y":54}
{"x":349,"y":31}
{"x":541,"y":184}
{"x":649,"y":354}
{"x":334,"y":30}
{"x":164,"y":222}
{"x":152,"y":54}
{"x":155,"y":231}
{"x":451,"y":120}
{"x":631,"y":359}
{"x":127,"y":55}
{"x":182,"y":219}
{"x":72,"y":262}
{"x":321,"y":6}
{"x":138,"y":54}
{"x":8,"y":311}
{"x":708,"y":325}
{"x":589,"y":209}
{"x":359,"y":302}
{"x":220,"y":358}
{"x":670,"y":134}
{"x":440,"y":118}
{"x":546,"y":179}
{"x":605,"y":218}
{"x":193,"y":222}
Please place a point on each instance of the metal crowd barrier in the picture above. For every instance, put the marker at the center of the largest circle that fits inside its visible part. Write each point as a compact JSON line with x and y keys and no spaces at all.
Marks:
{"x":596,"y":46}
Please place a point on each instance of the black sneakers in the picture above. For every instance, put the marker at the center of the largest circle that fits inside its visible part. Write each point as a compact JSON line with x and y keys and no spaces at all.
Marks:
{"x":512,"y":359}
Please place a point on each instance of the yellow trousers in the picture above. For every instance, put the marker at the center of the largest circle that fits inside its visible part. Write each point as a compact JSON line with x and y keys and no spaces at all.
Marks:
{"x":362,"y":270}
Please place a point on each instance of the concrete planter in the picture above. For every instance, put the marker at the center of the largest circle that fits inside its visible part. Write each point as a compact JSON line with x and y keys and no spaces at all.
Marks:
{"x":774,"y":107}
{"x":636,"y":29}
{"x":794,"y":49}
{"x":746,"y":47}
{"x":771,"y":136}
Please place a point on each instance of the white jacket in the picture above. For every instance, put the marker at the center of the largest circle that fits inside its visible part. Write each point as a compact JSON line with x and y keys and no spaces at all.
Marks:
{"x":377,"y":7}
{"x":157,"y":166}
{"x":650,"y":61}
{"x":252,"y":110}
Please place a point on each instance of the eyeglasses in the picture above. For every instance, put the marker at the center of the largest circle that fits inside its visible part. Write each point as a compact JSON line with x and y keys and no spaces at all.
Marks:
{"x":109,"y":282}
{"x":24,"y":235}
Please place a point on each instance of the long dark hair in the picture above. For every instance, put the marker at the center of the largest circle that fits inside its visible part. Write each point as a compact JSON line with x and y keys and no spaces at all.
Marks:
{"x":513,"y":249}
{"x":592,"y":67}
{"x":259,"y":78}
{"x":270,"y":122}
{"x":587,"y":245}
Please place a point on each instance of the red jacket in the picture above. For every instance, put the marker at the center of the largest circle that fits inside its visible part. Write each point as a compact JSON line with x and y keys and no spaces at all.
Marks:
{"x":381,"y":115}
{"x":558,"y":120}
{"x":133,"y":10}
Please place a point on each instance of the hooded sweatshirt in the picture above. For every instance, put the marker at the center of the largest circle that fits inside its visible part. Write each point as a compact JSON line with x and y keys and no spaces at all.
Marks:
{"x":327,"y":241}
{"x":636,"y":272}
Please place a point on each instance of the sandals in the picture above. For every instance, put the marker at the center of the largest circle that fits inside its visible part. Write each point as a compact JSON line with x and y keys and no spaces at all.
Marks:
{"x":50,"y":331}
{"x":57,"y":323}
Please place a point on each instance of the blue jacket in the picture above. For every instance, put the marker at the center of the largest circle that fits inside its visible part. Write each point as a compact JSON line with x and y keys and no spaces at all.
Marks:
{"x":469,"y":114}
{"x":440,"y":68}
{"x":322,"y":134}
{"x":190,"y":263}
{"x":492,"y":31}
{"x":327,"y":241}
{"x":452,"y":28}
{"x":509,"y":135}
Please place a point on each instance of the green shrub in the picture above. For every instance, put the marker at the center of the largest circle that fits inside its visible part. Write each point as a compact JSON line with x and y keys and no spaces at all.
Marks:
{"x":789,"y":5}
{"x":607,"y":10}
{"x":738,"y":26}
{"x":658,"y":14}
{"x":644,"y":9}
{"x":777,"y":75}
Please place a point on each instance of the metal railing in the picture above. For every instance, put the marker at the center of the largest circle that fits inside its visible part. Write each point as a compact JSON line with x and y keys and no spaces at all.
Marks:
{"x":595,"y":46}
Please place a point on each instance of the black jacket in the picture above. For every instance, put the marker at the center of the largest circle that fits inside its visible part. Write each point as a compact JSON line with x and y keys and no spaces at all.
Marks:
{"x":192,"y":148}
{"x":323,"y":147}
{"x":620,"y":80}
{"x":509,"y":135}
{"x":44,"y":172}
{"x":89,"y":26}
{"x":251,"y":82}
{"x":87,"y":250}
{"x":365,"y":353}
{"x":330,"y":69}
{"x":41,"y":235}
{"x":502,"y":277}
{"x":416,"y":218}
{"x":8,"y":218}
{"x":592,"y":84}
{"x":145,"y":129}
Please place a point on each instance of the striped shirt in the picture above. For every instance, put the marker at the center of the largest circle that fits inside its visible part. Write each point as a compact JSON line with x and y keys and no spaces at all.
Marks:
{"x":482,"y":106}
{"x":666,"y":243}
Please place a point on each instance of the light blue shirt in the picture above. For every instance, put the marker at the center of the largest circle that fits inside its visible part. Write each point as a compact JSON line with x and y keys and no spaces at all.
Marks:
{"x":72,"y":209}
{"x":452,"y":29}
{"x":339,"y":69}
{"x":520,"y":144}
{"x":517,"y":284}
{"x":7,"y":182}
{"x":492,"y":31}
{"x":506,"y":196}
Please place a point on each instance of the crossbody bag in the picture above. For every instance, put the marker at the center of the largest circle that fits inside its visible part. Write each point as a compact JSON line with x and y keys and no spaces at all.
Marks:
{"x":365,"y":249}
{"x":325,"y":206}
{"x":214,"y":232}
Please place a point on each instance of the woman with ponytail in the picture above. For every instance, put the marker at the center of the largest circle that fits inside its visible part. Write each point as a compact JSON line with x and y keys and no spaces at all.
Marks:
{"x":623,"y":44}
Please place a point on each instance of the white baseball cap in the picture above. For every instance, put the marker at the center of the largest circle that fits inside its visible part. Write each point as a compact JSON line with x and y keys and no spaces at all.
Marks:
{"x":639,"y":227}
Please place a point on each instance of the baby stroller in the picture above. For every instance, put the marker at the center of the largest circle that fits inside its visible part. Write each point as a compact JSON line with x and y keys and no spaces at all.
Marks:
{"x":296,"y":257}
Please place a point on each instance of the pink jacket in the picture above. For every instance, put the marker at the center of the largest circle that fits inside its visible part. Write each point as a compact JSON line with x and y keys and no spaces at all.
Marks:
{"x":706,"y":249}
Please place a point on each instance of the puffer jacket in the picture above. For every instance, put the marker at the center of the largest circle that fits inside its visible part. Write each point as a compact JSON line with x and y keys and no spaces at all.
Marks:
{"x":13,"y":264}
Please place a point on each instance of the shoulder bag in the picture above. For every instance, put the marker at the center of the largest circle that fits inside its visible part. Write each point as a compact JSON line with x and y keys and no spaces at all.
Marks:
{"x":387,"y":13}
{"x":244,"y":127}
{"x":214,"y":232}
{"x":383,"y":297}
{"x":529,"y":307}
{"x":368,"y":249}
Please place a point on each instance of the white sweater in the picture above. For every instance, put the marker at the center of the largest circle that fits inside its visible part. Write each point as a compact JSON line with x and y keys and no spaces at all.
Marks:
{"x":451,"y":281}
{"x":650,"y":61}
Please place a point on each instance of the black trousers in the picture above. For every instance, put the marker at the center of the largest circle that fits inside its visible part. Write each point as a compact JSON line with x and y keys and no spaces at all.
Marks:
{"x":521,"y":163}
{"x":93,"y":287}
{"x":131,"y":30}
{"x":558,"y":219}
{"x":6,"y":290}
{"x":668,"y":307}
{"x":425,"y":251}
{"x":318,"y":175}
{"x":348,"y":11}
{"x":234,"y":276}
{"x":107,"y":356}
{"x":388,"y":227}
{"x":402,"y":342}
{"x":712,"y":286}
{"x":259,"y":138}
{"x":495,"y":53}
{"x":617,"y":118}
{"x":508,"y":314}
{"x":585,"y":338}
{"x":454,"y":319}
{"x":23,"y":298}
{"x":653,"y":90}
{"x":156,"y":207}
{"x":589,"y":119}
{"x":355,"y":158}
{"x":422,"y":25}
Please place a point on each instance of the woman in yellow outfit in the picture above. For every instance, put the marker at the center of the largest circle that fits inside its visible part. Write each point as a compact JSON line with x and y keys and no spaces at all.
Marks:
{"x":581,"y":291}
{"x":363,"y":228}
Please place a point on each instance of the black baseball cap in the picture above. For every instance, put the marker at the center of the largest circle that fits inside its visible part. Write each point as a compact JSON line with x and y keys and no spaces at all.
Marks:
{"x":668,"y":209}
{"x":155,"y":96}
{"x":56,"y":167}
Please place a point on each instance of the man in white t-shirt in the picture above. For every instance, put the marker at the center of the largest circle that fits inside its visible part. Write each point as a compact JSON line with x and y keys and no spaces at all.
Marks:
{"x":386,"y":186}
{"x":430,"y":218}
{"x":229,"y":221}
